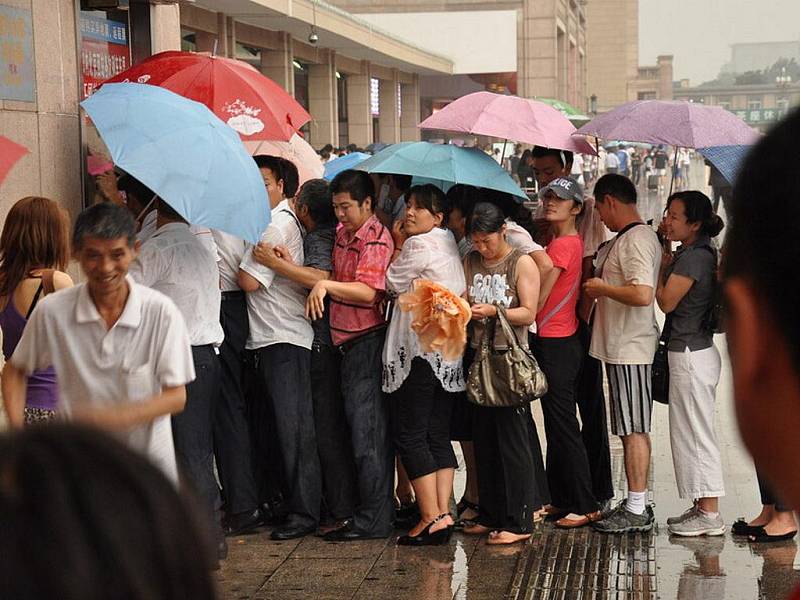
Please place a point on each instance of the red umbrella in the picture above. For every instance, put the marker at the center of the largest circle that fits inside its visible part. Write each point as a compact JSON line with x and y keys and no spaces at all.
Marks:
{"x":10,"y":153}
{"x":252,"y":104}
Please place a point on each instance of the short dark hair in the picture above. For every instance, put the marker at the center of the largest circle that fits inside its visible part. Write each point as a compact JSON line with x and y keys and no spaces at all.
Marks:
{"x":290,"y":177}
{"x":564,"y":157}
{"x":485,"y":218}
{"x":401,"y":182}
{"x":273,"y":163}
{"x":356,"y":183}
{"x":315,"y":194}
{"x":618,"y":186}
{"x":166,"y":209}
{"x":133,"y":187}
{"x":463,"y":198}
{"x":105,"y":221}
{"x":80,"y":506}
{"x":698,"y":209}
{"x":763,"y":242}
{"x":431,"y":198}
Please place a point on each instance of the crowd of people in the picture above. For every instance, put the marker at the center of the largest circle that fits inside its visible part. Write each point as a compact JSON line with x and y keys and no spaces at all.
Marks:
{"x":282,"y":383}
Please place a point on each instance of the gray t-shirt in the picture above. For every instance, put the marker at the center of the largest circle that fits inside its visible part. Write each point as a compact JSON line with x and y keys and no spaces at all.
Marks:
{"x":700,"y":265}
{"x":318,"y":249}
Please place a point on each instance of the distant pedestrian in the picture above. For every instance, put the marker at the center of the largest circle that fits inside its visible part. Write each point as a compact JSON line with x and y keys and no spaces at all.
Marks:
{"x":624,"y":337}
{"x":34,"y":251}
{"x":612,"y":163}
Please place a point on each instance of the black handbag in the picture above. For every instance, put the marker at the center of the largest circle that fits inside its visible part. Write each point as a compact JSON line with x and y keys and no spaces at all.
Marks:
{"x":659,"y":378}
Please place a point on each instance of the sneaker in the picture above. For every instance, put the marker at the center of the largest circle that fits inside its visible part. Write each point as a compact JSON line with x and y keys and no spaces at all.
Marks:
{"x":621,"y":520}
{"x":698,"y":524}
{"x":689,"y":512}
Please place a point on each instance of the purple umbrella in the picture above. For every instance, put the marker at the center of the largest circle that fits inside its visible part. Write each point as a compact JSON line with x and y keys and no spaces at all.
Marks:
{"x":508,"y":118}
{"x":676,"y":123}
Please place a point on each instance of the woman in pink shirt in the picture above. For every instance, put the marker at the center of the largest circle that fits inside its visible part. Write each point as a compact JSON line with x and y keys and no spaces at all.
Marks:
{"x":558,"y":349}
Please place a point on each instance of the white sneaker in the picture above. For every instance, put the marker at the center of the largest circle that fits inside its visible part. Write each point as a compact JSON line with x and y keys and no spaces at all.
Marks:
{"x":685,"y":515}
{"x":698,"y":524}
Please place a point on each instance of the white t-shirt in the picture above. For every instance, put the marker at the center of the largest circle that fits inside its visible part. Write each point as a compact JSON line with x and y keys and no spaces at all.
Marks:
{"x":276,"y":310}
{"x":612,"y":162}
{"x":622,"y":334}
{"x":146,"y":350}
{"x":177,"y":264}
{"x":433,"y":256}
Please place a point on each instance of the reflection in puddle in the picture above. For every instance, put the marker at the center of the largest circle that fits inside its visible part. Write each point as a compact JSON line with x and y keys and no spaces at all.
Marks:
{"x":458,"y":587}
{"x":702,"y":578}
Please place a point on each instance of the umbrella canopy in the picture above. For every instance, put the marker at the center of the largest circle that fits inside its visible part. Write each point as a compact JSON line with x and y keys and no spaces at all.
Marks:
{"x":255,"y":106}
{"x":443,"y":162}
{"x":676,"y":123}
{"x":727,"y":159}
{"x":185,"y":154}
{"x":10,"y":153}
{"x":573,"y":114}
{"x":348,"y":161}
{"x":376,"y":147}
{"x":297,"y":150}
{"x":509,"y":118}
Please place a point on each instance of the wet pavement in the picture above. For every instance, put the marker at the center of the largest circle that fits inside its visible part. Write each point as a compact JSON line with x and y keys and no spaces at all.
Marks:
{"x":555,"y":564}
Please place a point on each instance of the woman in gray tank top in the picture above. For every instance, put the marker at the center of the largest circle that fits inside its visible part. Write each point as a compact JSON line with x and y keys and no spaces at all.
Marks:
{"x":511,"y":479}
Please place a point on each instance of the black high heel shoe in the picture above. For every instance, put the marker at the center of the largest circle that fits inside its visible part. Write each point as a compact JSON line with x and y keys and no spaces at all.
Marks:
{"x":426,"y":537}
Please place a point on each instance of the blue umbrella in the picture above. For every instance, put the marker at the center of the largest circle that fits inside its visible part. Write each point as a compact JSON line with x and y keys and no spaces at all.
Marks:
{"x":348,"y":161}
{"x":443,"y":163}
{"x":185,"y":154}
{"x":727,"y":159}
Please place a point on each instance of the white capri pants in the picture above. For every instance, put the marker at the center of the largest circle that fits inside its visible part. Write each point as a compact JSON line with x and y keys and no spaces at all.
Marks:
{"x":693,"y":379}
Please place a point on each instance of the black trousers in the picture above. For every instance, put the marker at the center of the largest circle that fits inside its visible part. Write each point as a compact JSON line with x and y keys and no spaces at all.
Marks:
{"x":506,"y":470}
{"x":594,"y":431}
{"x":286,"y":373}
{"x":421,"y":411}
{"x":568,"y":473}
{"x":768,"y":496}
{"x":367,"y":413}
{"x":231,"y":430}
{"x":192,"y":431}
{"x":333,"y":433}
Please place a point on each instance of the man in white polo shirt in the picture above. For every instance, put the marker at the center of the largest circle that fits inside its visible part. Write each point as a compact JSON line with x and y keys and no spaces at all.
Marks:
{"x":282,"y":335}
{"x":177,"y":264}
{"x":120,"y":350}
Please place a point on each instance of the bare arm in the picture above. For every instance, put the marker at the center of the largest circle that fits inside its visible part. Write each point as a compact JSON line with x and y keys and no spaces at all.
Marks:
{"x":274,"y":258}
{"x":543,"y":262}
{"x":548,"y":281}
{"x":247,"y":282}
{"x":670,"y":293}
{"x":630,"y":294}
{"x":14,"y":385}
{"x":122,"y":417}
{"x":353,"y":291}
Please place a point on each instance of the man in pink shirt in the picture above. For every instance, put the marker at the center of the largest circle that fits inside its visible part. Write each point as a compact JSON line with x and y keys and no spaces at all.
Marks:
{"x":361,"y":255}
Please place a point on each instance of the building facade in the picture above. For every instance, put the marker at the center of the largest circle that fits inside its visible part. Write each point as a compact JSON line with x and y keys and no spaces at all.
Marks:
{"x":358,"y":82}
{"x":547,"y":56}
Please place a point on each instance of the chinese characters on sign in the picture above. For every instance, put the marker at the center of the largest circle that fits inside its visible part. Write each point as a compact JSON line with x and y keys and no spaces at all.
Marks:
{"x":760,"y":115}
{"x":104,"y":50}
{"x":16,"y":55}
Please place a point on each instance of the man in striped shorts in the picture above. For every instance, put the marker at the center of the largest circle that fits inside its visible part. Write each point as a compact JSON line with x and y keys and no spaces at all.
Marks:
{"x":624,"y":337}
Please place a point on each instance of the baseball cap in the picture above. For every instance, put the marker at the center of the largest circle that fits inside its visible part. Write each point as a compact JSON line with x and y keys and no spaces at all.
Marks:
{"x":565,"y":188}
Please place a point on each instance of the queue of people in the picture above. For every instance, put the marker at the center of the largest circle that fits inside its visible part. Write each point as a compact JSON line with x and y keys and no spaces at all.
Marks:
{"x":290,"y":366}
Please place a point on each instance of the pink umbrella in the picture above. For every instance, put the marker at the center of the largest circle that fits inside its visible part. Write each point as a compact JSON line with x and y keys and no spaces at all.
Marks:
{"x":676,"y":123}
{"x":297,"y":150}
{"x":10,"y":153}
{"x":509,"y":118}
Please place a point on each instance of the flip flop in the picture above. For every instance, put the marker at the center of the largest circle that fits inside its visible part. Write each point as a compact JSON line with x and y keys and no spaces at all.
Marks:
{"x":573,"y":521}
{"x":762,"y":537}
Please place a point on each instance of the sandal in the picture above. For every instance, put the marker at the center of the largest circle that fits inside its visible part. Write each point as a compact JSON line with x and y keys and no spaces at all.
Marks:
{"x":573,"y":521}
{"x":760,"y":536}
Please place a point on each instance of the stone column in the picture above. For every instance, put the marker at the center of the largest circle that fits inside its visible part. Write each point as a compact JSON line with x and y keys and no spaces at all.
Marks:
{"x":165,"y":27}
{"x":665,"y":77}
{"x":323,"y":102}
{"x":222,"y":35}
{"x":410,"y":107}
{"x":277,"y":64}
{"x":359,"y":113}
{"x":389,"y":117}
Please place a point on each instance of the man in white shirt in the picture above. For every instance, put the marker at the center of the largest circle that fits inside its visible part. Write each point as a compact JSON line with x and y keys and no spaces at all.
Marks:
{"x":282,"y":335}
{"x":232,"y":440}
{"x":624,"y":337}
{"x":120,"y":350}
{"x":175,"y":262}
{"x":611,"y":162}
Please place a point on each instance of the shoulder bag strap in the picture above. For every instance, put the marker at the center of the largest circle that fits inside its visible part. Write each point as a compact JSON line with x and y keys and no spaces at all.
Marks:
{"x":561,"y":304}
{"x":35,"y":300}
{"x":508,"y":331}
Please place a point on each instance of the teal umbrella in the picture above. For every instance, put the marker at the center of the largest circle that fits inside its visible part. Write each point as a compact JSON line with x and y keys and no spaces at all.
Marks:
{"x":443,"y":163}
